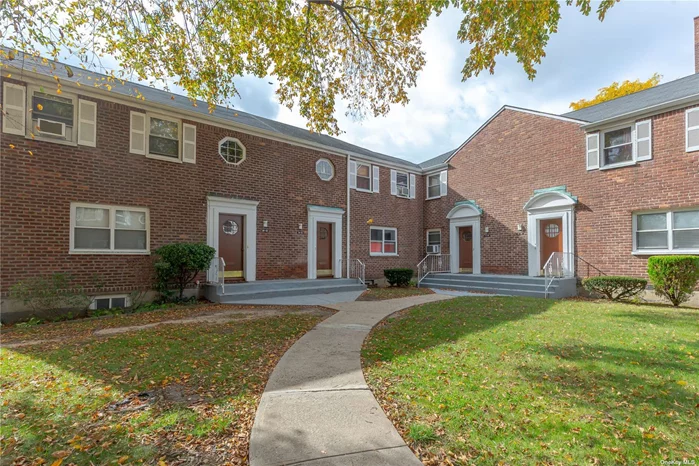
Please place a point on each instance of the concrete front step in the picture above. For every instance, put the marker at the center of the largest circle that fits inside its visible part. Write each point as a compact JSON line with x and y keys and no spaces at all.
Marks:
{"x":503,"y":285}
{"x":511,"y":285}
{"x":489,"y":290}
{"x":236,"y":292}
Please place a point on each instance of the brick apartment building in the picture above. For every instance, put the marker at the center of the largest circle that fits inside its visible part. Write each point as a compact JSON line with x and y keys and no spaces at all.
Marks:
{"x":94,"y":180}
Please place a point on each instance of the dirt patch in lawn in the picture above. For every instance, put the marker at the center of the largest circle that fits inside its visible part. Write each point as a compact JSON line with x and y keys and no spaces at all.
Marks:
{"x":382,"y":294}
{"x":107,"y":326}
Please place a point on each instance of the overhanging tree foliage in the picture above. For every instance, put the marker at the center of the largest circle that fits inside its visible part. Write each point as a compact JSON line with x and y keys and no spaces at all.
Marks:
{"x":365,"y":53}
{"x":616,"y":89}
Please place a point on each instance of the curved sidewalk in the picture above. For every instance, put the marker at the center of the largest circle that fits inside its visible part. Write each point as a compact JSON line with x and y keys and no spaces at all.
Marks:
{"x":317,"y":408}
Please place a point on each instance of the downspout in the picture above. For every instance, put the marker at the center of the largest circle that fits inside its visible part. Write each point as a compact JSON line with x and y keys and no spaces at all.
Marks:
{"x":347,"y":265}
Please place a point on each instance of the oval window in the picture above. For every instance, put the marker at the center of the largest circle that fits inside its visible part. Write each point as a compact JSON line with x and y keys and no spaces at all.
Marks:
{"x":231,"y":150}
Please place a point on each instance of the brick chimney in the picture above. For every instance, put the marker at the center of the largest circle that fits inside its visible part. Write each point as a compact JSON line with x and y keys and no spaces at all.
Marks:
{"x":696,"y":44}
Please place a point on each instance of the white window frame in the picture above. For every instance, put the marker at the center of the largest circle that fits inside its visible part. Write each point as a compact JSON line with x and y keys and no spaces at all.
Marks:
{"x":332,"y":169}
{"x":438,"y":176}
{"x":180,"y":138}
{"x":670,"y":246}
{"x":427,"y":239}
{"x":32,"y":133}
{"x":688,"y":128}
{"x":371,"y":175}
{"x":127,"y":300}
{"x":632,"y":127}
{"x":383,"y":241}
{"x":112,"y":227}
{"x":407,"y":187}
{"x":236,"y":140}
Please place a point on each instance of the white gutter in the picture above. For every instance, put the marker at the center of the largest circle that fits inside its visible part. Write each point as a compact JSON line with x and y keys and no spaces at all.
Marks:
{"x":347,"y":265}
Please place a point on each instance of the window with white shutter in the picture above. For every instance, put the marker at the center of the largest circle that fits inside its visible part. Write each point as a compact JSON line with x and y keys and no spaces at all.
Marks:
{"x":87,"y":123}
{"x":412,"y":186}
{"x":14,"y":107}
{"x":443,"y":183}
{"x":394,"y":187}
{"x":692,"y":129}
{"x":592,"y":141}
{"x":137,"y":139}
{"x":352,"y":174}
{"x":189,"y":143}
{"x":375,"y":183}
{"x":643,"y":141}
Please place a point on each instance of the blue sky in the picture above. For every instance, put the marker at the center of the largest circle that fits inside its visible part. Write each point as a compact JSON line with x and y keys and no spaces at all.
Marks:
{"x":636,"y":40}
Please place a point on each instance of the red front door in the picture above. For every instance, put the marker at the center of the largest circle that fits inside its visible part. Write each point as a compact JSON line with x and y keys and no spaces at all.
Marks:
{"x":550,"y":238}
{"x":466,"y":249}
{"x":231,"y":243}
{"x":324,"y":250}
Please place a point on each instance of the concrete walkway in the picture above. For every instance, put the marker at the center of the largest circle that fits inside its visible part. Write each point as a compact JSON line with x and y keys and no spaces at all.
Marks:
{"x":317,"y":408}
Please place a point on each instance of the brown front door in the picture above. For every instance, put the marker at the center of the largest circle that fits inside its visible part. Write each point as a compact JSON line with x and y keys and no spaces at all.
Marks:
{"x":324,"y":250}
{"x":231,"y":241}
{"x":550,"y":238}
{"x":466,"y":249}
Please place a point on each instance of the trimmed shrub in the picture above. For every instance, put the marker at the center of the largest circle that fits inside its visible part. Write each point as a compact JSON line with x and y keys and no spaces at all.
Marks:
{"x":398,"y":277}
{"x":674,"y":277}
{"x":615,"y":288}
{"x":179,"y":264}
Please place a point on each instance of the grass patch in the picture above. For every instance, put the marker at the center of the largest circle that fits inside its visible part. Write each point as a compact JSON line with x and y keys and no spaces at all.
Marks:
{"x":207,"y":379}
{"x":393,"y":292}
{"x":529,"y":381}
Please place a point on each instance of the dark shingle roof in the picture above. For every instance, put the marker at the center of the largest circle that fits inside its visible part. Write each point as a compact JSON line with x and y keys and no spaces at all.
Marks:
{"x":660,"y":94}
{"x":150,"y":94}
{"x":440,"y":159}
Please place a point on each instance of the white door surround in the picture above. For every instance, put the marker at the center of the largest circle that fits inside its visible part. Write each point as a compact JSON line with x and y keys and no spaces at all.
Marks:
{"x":325,"y":215}
{"x":549,"y":204}
{"x":462,"y":215}
{"x":246,"y":208}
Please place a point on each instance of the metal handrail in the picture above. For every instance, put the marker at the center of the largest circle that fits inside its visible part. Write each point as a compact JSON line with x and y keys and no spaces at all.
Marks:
{"x":556,"y":267}
{"x":222,"y":274}
{"x":432,"y":263}
{"x":357,"y":270}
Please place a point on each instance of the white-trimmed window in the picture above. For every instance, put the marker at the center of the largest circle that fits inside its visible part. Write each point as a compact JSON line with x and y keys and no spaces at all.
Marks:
{"x":363,"y":177}
{"x":231,"y":150}
{"x":402,"y":184}
{"x":434,"y":241}
{"x":325,"y":169}
{"x":437,"y":185}
{"x":666,"y":232}
{"x":384,"y":241}
{"x":163,"y":137}
{"x":101,"y":229}
{"x":692,"y":129}
{"x":110,"y":302}
{"x":619,"y":146}
{"x":53,"y":116}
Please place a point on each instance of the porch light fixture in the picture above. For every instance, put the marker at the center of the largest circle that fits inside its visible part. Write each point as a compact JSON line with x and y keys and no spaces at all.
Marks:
{"x":265,"y":226}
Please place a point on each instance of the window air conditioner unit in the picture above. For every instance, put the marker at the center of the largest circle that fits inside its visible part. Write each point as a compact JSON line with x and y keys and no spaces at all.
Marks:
{"x":51,"y":128}
{"x":403,"y":191}
{"x":434,"y":249}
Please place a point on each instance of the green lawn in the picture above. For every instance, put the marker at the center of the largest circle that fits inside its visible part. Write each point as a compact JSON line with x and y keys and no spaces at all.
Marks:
{"x":501,"y":380}
{"x":392,"y":292}
{"x":207,"y":379}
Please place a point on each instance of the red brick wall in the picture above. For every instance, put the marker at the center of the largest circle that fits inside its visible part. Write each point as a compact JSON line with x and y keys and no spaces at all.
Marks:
{"x":519,"y":152}
{"x":37,"y":191}
{"x":387,"y":211}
